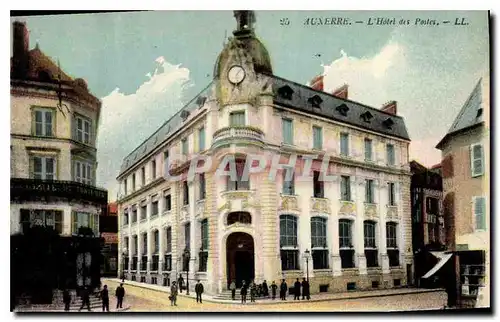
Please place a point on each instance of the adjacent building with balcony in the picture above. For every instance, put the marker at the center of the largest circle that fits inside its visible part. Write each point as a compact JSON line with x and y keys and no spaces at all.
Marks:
{"x":350,"y":232}
{"x":54,"y":120}
{"x":466,"y":189}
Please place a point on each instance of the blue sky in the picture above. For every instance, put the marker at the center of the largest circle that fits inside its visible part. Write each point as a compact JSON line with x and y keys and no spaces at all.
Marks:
{"x":145,"y":65}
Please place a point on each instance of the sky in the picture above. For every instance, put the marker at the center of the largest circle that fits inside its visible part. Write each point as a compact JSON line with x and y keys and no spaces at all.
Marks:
{"x":145,"y":65}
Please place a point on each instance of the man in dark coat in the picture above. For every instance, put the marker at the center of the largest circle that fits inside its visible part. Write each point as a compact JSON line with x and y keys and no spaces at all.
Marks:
{"x":180,"y":282}
{"x":120,"y":294}
{"x":265,"y":289}
{"x":243,"y":293}
{"x":66,"y":299}
{"x":85,"y":299}
{"x":199,"y":290}
{"x":305,"y":290}
{"x":105,"y":299}
{"x":283,"y":290}
{"x":296,"y":290}
{"x":273,"y":289}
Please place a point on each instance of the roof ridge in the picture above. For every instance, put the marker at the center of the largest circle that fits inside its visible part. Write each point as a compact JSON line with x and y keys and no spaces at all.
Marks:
{"x":167,"y":121}
{"x":340,"y":98}
{"x":464,"y":107}
{"x":57,"y":66}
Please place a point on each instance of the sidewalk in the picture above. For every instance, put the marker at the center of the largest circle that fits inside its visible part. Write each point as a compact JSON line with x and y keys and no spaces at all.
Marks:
{"x":314,"y":298}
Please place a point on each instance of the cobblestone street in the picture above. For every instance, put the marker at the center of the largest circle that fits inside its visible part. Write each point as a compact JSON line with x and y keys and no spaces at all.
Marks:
{"x":146,"y":300}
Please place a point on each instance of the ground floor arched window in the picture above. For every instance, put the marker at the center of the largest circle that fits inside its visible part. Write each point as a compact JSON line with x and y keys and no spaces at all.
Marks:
{"x":319,"y":243}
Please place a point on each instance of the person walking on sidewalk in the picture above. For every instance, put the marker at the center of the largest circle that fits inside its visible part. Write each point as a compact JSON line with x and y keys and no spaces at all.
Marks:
{"x":66,"y":299}
{"x":85,"y":299}
{"x":232,"y":287}
{"x":181,"y":283}
{"x":265,"y":289}
{"x":173,"y":294}
{"x":305,"y":290}
{"x":243,"y":293}
{"x":296,"y":290}
{"x":283,"y":290}
{"x":120,"y":294}
{"x":253,"y":291}
{"x":199,"y":290}
{"x":273,"y":289}
{"x":105,"y":299}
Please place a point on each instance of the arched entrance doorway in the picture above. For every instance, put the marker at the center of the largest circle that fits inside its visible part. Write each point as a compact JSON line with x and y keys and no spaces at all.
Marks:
{"x":240,"y":258}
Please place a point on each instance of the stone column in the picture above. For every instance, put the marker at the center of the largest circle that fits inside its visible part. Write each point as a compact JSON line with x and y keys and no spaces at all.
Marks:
{"x":382,"y":242}
{"x":358,"y":229}
{"x":305,"y":192}
{"x":192,"y":235}
{"x":213,"y":237}
{"x":333,"y":225}
{"x":175,"y":200}
{"x":161,"y":236}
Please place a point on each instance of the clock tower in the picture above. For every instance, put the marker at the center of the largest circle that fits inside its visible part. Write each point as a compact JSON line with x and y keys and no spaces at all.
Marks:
{"x":241,"y":66}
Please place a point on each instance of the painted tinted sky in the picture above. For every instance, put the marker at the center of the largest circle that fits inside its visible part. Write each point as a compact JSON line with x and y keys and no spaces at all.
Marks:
{"x":429,"y":70}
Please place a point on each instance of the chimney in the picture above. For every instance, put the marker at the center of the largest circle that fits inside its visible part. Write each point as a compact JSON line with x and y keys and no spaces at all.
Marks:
{"x":20,"y":49}
{"x":390,"y":107}
{"x":317,"y":83}
{"x":342,"y":91}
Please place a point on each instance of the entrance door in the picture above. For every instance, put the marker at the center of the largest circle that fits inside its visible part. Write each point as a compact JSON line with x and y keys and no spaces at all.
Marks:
{"x":240,"y":258}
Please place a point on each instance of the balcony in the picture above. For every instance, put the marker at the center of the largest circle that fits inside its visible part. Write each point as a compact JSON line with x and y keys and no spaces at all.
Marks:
{"x":238,"y":200}
{"x":22,"y":190}
{"x":237,"y":134}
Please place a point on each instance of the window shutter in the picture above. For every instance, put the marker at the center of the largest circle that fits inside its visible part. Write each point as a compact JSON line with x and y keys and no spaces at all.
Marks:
{"x":479,"y":210}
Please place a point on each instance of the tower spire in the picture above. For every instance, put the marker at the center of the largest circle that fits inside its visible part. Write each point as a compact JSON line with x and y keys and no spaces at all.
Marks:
{"x":244,"y":22}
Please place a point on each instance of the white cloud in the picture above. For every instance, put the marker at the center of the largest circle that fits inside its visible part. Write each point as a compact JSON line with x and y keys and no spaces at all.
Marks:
{"x":127,"y":120}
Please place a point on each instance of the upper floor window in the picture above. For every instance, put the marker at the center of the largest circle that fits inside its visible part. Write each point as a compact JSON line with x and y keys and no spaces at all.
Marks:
{"x":186,"y":193}
{"x":201,"y":139}
{"x":144,"y":244}
{"x":391,"y":158}
{"x":187,"y":235}
{"x":319,"y":191}
{"x":125,"y":186}
{"x":479,"y":213}
{"x":317,"y":138}
{"x":345,"y":188}
{"x":156,"y":242}
{"x":125,"y":219}
{"x":169,"y":240}
{"x":168,"y":202}
{"x":204,"y":246}
{"x":344,"y":144}
{"x":133,"y":182}
{"x":432,"y":205}
{"x":237,"y":118}
{"x":368,"y":150}
{"x":44,"y":168}
{"x":143,"y":176}
{"x":477,"y":160}
{"x":202,"y":191}
{"x":154,"y":208}
{"x":369,"y":194}
{"x":83,"y":129}
{"x":85,"y":220}
{"x":239,"y":184}
{"x":391,"y":234}
{"x":184,"y":146}
{"x":44,"y":122}
{"x":287,"y":125}
{"x":392,"y":194}
{"x":239,"y":216}
{"x":38,"y":217}
{"x":369,"y":229}
{"x":288,"y":184}
{"x":153,"y":169}
{"x":83,"y":172}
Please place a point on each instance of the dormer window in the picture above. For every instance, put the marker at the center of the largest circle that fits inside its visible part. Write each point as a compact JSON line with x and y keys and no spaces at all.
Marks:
{"x":315,"y":101}
{"x":285,"y":92}
{"x":479,"y":112}
{"x":184,"y":115}
{"x":201,"y":101}
{"x":367,"y":116}
{"x":342,"y":109}
{"x":388,"y":123}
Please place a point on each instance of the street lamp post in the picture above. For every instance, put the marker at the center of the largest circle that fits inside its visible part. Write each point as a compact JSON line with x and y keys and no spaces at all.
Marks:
{"x":307,"y":255}
{"x":187,"y":257}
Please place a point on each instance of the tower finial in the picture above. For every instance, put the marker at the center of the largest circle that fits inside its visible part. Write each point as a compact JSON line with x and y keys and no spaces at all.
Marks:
{"x":244,"y":21}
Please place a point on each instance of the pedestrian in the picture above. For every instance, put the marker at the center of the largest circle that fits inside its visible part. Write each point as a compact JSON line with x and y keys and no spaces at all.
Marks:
{"x":232,"y":287}
{"x":265,"y":289}
{"x":199,"y":290}
{"x":253,"y":291}
{"x":181,"y":283}
{"x":66,"y":299}
{"x":85,"y":299}
{"x":173,"y":294}
{"x":273,"y":289}
{"x":305,"y":290}
{"x":105,"y":299}
{"x":296,"y":290}
{"x":120,"y":294}
{"x":243,"y":293}
{"x":283,"y":290}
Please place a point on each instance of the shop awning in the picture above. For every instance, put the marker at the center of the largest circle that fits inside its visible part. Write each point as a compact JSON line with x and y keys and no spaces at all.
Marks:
{"x":445,"y":258}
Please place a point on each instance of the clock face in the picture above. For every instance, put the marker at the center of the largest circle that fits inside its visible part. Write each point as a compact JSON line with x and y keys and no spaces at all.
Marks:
{"x":236,"y":74}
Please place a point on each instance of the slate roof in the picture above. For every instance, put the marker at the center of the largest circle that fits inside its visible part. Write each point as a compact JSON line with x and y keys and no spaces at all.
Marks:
{"x":305,"y":99}
{"x":168,"y":128}
{"x":470,"y":115}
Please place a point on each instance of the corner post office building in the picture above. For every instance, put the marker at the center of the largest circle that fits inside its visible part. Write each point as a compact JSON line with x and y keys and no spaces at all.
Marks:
{"x":350,"y":233}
